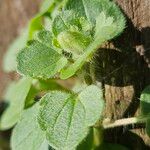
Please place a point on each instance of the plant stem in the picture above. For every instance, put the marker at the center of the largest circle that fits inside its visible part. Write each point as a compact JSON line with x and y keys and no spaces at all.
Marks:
{"x":126,"y":121}
{"x":97,"y":137}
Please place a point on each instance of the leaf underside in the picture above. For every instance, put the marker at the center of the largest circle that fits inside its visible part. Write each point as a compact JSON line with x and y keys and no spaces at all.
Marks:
{"x":27,"y":134}
{"x":66,"y":118}
{"x":16,"y":96}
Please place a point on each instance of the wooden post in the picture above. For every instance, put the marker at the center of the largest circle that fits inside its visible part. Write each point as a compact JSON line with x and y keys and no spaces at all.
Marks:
{"x":123,"y":66}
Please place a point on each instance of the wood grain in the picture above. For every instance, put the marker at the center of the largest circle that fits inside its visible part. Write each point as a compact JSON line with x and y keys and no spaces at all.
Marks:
{"x":125,"y":73}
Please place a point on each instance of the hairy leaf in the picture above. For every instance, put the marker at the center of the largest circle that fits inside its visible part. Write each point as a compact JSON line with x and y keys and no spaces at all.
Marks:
{"x":63,"y":118}
{"x":85,"y":8}
{"x":74,"y":42}
{"x":27,"y":134}
{"x":67,"y":20}
{"x":92,"y":99}
{"x":108,"y":22}
{"x":16,"y":97}
{"x":105,"y":30}
{"x":36,"y":23}
{"x":66,"y":117}
{"x":45,"y":37}
{"x":39,"y":60}
{"x":72,"y":33}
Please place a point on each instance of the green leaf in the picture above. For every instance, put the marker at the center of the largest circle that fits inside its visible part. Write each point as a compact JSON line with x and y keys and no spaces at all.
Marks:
{"x":27,"y":134}
{"x":92,"y":99}
{"x":85,"y":8}
{"x":87,"y":142}
{"x":63,"y":118}
{"x":65,"y":21}
{"x":145,"y":101}
{"x":145,"y":106}
{"x":74,"y":42}
{"x":77,"y":6}
{"x":9,"y":63}
{"x":40,"y":86}
{"x":66,"y":117}
{"x":72,"y":33}
{"x":39,"y":60}
{"x":36,"y":23}
{"x":77,"y":65}
{"x":47,"y":85}
{"x":105,"y":30}
{"x":148,"y":126}
{"x":107,"y":21}
{"x":45,"y":37}
{"x":68,"y":20}
{"x":16,"y":96}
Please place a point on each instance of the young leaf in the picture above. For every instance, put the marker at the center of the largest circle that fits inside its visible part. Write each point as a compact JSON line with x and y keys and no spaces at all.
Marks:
{"x":45,"y":37}
{"x":145,"y":106}
{"x":48,"y":6}
{"x":39,"y":60}
{"x":65,"y":21}
{"x":77,"y":65}
{"x":16,"y":96}
{"x":72,"y":32}
{"x":108,"y":22}
{"x":63,"y":118}
{"x":36,"y":23}
{"x":27,"y":134}
{"x":92,"y":99}
{"x":85,"y":8}
{"x":105,"y":30}
{"x":74,"y":42}
{"x":10,"y":63}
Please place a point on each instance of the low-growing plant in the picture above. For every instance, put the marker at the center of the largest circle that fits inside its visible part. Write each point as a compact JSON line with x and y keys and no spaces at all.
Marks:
{"x":60,"y":43}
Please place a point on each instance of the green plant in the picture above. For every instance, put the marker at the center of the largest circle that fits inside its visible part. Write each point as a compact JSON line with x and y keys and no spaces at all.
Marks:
{"x":60,"y":41}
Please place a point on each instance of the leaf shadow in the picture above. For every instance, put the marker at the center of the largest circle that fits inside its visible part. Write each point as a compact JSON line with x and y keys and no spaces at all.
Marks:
{"x":128,"y":67}
{"x":129,"y":139}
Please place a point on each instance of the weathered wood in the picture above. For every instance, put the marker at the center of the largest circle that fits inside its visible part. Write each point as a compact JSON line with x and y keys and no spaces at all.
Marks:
{"x":125,"y":74}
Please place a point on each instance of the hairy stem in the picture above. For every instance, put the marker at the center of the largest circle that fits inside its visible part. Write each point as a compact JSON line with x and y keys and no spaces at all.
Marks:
{"x":126,"y":121}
